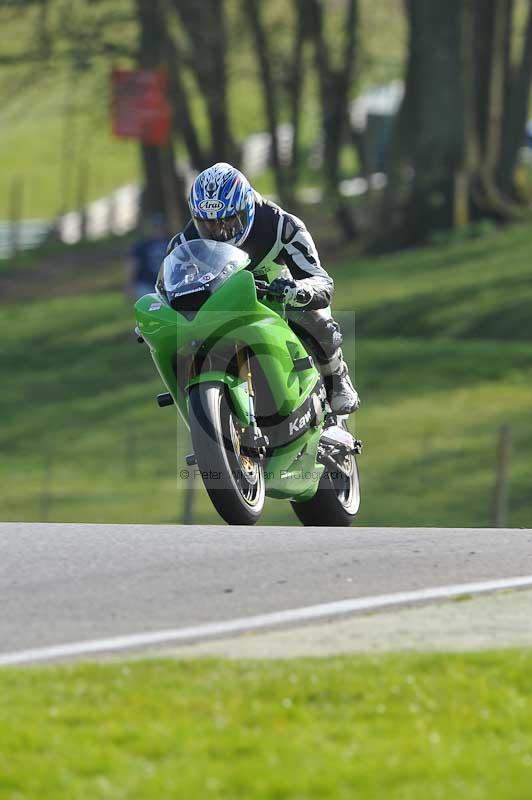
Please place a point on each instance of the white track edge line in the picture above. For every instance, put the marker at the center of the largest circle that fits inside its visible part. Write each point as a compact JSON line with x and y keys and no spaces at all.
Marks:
{"x":244,"y":624}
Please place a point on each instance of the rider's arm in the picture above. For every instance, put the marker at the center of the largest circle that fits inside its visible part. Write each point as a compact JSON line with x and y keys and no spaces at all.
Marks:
{"x":189,"y":232}
{"x":300,"y":255}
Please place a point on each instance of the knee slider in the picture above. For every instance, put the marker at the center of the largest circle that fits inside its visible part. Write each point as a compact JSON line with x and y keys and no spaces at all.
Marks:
{"x":331,"y":338}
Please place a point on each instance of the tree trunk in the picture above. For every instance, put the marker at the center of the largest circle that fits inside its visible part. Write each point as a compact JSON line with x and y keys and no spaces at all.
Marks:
{"x":516,"y":111}
{"x":334,"y":85}
{"x":204,"y":23}
{"x":163,"y":189}
{"x":428,"y":146}
{"x":296,"y":87}
{"x":183,"y":122}
{"x":222,"y":139}
{"x":270,"y":94}
{"x":454,"y":126}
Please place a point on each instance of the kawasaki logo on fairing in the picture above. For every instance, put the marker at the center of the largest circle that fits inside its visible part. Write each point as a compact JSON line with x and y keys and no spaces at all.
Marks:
{"x":298,"y":424}
{"x":211,"y":205}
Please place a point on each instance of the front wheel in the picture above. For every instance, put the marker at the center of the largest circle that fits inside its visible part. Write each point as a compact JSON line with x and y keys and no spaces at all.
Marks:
{"x":337,"y":500}
{"x":234,"y":482}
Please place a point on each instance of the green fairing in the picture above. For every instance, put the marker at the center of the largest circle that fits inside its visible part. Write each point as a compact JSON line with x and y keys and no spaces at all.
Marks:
{"x":238,"y":391}
{"x":233,"y":314}
{"x":293,"y":473}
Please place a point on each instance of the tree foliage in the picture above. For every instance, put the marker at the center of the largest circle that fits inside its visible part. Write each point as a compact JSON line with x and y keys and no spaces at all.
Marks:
{"x":299,"y":64}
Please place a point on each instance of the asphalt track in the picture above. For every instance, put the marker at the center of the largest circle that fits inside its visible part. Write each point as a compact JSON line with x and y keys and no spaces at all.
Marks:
{"x":63,"y":584}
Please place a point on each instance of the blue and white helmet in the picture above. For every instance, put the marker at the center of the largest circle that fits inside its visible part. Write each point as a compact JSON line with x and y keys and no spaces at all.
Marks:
{"x":222,"y":204}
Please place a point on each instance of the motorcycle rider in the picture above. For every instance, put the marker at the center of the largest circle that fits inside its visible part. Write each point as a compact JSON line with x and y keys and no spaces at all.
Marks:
{"x":225,"y":208}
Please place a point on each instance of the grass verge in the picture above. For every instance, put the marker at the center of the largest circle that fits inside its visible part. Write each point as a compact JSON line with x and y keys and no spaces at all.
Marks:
{"x":403,"y":727}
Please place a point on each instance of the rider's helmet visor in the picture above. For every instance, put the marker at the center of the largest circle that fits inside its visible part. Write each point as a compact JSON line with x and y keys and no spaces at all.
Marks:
{"x":221,"y":230}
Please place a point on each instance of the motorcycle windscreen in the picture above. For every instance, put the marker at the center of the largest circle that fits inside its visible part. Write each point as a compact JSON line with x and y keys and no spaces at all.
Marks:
{"x":196,"y":263}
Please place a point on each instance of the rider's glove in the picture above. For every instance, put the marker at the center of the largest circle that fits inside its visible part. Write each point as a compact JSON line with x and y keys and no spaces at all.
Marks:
{"x":292,"y":293}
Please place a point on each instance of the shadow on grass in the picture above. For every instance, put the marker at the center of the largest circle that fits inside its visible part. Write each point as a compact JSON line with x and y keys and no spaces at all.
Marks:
{"x":497,"y":309}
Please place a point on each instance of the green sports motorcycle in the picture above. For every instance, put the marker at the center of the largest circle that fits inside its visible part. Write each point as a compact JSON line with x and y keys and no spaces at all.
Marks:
{"x":248,"y":389}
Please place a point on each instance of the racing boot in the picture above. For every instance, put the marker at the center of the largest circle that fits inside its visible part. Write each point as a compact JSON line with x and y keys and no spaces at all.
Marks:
{"x":342,"y":396}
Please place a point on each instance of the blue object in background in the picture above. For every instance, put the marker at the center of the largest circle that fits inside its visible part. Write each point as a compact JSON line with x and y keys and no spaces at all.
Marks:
{"x":147,"y":255}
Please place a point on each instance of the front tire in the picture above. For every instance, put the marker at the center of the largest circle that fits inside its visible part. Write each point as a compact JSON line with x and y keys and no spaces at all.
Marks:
{"x":234,"y":483}
{"x":337,"y":500}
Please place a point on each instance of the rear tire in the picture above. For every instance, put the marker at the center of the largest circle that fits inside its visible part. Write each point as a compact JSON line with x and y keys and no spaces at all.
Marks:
{"x":234,"y":483}
{"x":336,"y":502}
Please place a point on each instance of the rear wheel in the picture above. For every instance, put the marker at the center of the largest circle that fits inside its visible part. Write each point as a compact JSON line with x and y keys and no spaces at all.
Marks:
{"x":337,"y":500}
{"x":234,"y":482}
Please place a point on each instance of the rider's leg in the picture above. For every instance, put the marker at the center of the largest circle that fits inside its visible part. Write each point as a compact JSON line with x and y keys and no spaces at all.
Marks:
{"x":322,"y":335}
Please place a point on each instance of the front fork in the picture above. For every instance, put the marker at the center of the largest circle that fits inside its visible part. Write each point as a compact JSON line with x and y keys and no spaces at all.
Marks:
{"x":253,"y":442}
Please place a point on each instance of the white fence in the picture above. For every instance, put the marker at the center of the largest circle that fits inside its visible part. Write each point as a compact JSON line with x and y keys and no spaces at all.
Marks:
{"x":118,"y":213}
{"x":115,"y":214}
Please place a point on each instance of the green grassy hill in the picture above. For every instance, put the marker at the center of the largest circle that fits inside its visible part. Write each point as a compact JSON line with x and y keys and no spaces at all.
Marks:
{"x":442,"y":360}
{"x":473,"y":289}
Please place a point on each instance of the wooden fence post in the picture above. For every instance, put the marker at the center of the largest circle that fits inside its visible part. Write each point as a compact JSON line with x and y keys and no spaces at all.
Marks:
{"x":131,"y":451}
{"x":16,"y":202}
{"x":502,"y":470}
{"x":188,"y":502}
{"x":186,"y":475}
{"x":82,"y":198}
{"x":46,"y":493}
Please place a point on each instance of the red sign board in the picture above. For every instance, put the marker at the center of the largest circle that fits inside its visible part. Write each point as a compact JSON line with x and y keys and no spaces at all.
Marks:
{"x":140,"y":107}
